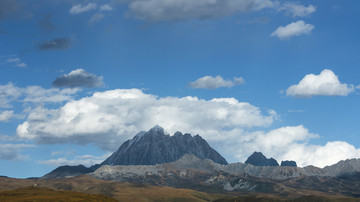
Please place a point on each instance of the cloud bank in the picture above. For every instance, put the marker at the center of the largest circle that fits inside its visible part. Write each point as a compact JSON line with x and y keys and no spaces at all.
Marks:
{"x":78,"y":78}
{"x":108,"y":118}
{"x":325,"y":84}
{"x":209,"y":82}
{"x":293,"y":29}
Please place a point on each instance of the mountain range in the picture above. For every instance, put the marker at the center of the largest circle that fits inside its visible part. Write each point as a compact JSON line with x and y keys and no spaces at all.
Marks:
{"x":185,"y":161}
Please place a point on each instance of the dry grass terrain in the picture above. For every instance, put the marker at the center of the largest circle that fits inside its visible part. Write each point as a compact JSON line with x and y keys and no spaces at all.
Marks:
{"x":40,"y":194}
{"x":115,"y":190}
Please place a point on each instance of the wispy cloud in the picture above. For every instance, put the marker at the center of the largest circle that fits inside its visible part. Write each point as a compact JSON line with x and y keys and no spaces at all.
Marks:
{"x":56,"y":44}
{"x":10,"y":93}
{"x":164,"y":10}
{"x":105,"y":7}
{"x":297,"y":10}
{"x":210,"y":82}
{"x":12,"y":60}
{"x":96,"y":18}
{"x":86,"y":160}
{"x":45,"y":24}
{"x":12,"y":152}
{"x":79,"y":8}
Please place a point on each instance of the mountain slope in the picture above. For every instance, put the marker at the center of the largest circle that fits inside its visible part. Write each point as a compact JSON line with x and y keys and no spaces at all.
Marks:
{"x":157,"y":147}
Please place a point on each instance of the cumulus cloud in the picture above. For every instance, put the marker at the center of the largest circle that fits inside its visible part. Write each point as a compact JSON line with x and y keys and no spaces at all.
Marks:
{"x":6,"y":116}
{"x":293,"y":29}
{"x":78,"y":78}
{"x":79,"y":8}
{"x":12,"y":152}
{"x":325,"y":84}
{"x":108,"y":118}
{"x":86,"y":160}
{"x":298,"y":10}
{"x":209,"y":82}
{"x":33,"y":94}
{"x":179,"y":10}
{"x":7,"y":7}
{"x":291,"y":143}
{"x":55,"y":44}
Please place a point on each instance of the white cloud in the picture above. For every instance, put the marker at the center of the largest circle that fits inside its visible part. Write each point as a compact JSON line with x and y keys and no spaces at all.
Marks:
{"x":293,"y":29}
{"x":357,"y":87}
{"x":290,"y":143}
{"x":33,"y":94}
{"x":209,"y":82}
{"x":297,"y":10}
{"x":86,"y":160}
{"x":12,"y":152}
{"x":79,"y":8}
{"x":6,"y":115}
{"x":326,"y":84}
{"x":179,"y":10}
{"x":108,"y":118}
{"x":105,"y":7}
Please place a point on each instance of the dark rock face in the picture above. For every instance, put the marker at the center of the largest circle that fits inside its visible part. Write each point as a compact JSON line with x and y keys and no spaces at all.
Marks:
{"x":288,"y":163}
{"x":157,"y":147}
{"x":258,"y":159}
{"x":69,"y":171}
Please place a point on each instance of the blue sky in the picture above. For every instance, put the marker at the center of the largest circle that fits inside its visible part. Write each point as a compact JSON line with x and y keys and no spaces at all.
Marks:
{"x":77,"y":78}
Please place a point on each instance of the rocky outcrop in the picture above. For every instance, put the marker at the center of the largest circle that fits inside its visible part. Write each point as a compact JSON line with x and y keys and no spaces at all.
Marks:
{"x":288,"y":163}
{"x":156,"y":147}
{"x":258,"y":159}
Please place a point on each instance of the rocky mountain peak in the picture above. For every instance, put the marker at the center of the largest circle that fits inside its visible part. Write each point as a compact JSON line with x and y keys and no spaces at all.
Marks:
{"x":156,"y":147}
{"x":258,"y":159}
